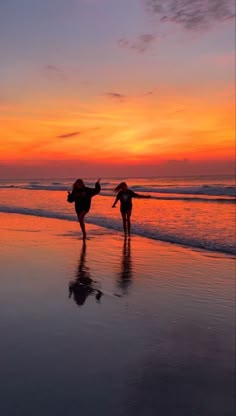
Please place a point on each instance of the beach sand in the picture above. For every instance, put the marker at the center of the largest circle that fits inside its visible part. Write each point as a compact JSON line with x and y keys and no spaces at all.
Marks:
{"x":159,"y":341}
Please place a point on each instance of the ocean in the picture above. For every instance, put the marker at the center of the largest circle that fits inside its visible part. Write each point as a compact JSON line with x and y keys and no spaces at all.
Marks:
{"x":196,"y":212}
{"x":159,"y":340}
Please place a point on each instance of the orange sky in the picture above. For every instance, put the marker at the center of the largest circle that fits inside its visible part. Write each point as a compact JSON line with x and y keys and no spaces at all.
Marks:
{"x":142,"y":129}
{"x":148,"y":101}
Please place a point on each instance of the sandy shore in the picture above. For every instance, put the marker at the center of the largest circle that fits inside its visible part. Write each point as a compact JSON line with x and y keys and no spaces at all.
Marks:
{"x":151,"y":332}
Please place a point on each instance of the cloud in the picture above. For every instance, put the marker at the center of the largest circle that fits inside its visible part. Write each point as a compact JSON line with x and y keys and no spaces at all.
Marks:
{"x":65,"y":136}
{"x":141,"y":44}
{"x":54,"y":72}
{"x":116,"y":96}
{"x":194,"y":14}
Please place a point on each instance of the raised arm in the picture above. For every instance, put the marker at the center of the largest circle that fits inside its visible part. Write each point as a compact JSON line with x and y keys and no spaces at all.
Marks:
{"x":97,"y":189}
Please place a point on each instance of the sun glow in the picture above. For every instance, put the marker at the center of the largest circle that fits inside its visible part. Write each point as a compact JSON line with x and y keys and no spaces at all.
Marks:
{"x":145,"y":129}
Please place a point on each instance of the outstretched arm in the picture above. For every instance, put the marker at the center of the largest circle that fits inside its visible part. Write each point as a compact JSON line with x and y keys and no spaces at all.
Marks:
{"x":135,"y":195}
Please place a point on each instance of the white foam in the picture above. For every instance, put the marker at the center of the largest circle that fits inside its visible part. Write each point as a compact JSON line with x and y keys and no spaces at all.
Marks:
{"x":137,"y":229}
{"x":207,"y":190}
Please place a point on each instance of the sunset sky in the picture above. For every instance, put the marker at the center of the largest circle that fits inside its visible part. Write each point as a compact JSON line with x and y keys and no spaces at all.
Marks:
{"x":116,"y":87}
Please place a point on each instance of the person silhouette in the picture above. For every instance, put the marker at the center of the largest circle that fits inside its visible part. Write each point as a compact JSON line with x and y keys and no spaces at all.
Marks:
{"x":82,"y":286}
{"x":81,"y":195}
{"x":125,"y":196}
{"x":125,"y":275}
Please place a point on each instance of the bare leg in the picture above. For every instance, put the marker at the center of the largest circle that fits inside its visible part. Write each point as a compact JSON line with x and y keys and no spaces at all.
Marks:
{"x":124,"y":222}
{"x":128,"y":221}
{"x":82,"y":224}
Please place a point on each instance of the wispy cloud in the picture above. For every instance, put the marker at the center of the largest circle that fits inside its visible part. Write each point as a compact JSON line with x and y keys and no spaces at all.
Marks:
{"x":42,"y":145}
{"x":65,"y":136}
{"x":141,"y":44}
{"x":54,"y":72}
{"x":116,"y":96}
{"x":194,"y":14}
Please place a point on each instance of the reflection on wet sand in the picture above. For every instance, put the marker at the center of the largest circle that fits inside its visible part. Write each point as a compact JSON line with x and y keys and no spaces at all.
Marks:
{"x":82,"y":286}
{"x":125,"y":275}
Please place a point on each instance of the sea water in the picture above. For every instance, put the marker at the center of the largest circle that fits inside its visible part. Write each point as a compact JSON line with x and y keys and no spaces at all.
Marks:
{"x":160,"y":341}
{"x":197,"y":212}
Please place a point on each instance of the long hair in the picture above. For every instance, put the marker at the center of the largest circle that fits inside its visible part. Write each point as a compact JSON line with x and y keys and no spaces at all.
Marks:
{"x":74,"y":185}
{"x":120,"y":186}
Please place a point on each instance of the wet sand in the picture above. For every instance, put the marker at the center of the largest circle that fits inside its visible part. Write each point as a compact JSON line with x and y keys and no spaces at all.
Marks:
{"x":114,"y":327}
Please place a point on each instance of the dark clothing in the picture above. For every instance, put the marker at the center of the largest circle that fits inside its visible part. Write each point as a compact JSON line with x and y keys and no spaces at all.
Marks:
{"x":125,"y":198}
{"x":82,"y":197}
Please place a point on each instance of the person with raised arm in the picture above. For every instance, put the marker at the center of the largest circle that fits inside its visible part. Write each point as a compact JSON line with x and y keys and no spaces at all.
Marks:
{"x":81,"y":195}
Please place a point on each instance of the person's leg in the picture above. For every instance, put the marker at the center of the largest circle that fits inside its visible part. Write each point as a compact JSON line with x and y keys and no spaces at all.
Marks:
{"x":128,"y":221}
{"x":124,"y":221}
{"x":81,"y":216}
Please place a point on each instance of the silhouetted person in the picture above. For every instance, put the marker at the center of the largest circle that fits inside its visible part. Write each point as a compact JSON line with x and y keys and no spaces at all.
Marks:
{"x":125,"y":195}
{"x":82,"y":286}
{"x":125,"y":276}
{"x":81,"y":195}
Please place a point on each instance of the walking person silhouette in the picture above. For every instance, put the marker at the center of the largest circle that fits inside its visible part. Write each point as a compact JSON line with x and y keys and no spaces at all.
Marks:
{"x":125,"y":195}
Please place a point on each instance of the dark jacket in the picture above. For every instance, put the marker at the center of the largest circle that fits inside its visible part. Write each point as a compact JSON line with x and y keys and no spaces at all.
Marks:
{"x":82,"y":197}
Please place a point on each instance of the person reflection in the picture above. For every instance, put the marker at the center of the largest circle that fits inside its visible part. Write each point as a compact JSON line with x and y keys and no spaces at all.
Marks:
{"x":125,"y":276}
{"x":82,"y":286}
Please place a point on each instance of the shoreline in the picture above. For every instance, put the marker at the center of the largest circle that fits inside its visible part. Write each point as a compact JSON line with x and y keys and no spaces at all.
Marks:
{"x":106,"y":229}
{"x":161,"y":337}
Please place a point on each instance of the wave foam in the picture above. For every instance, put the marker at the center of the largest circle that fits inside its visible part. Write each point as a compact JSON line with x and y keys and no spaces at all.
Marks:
{"x":136,"y":229}
{"x":207,"y":190}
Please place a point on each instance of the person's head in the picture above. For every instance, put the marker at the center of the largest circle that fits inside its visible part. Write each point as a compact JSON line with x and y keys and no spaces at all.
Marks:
{"x":79,"y":292}
{"x":78,"y":184}
{"x":121,"y":187}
